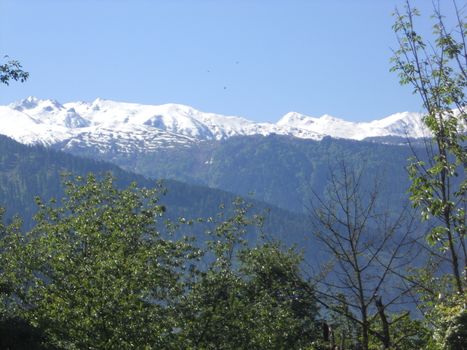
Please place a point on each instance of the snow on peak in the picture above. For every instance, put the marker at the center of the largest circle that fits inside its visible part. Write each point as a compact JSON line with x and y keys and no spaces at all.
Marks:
{"x":108,"y":124}
{"x":31,"y":103}
{"x":294,"y":117}
{"x":330,"y":118}
{"x":27,"y":103}
{"x":404,"y":124}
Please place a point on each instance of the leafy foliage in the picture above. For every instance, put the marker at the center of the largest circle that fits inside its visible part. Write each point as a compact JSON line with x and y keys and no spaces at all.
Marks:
{"x":12,"y":70}
{"x":97,"y":272}
{"x":98,"y":265}
{"x":451,"y":316}
{"x":437,"y":73}
{"x":248,"y":296}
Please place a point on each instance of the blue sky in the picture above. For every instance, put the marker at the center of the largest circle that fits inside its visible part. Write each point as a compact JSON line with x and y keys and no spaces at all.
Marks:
{"x":255,"y":58}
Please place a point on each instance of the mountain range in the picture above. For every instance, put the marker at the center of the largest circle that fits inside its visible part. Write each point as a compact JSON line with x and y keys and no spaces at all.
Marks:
{"x":281,"y":164}
{"x":105,"y":125}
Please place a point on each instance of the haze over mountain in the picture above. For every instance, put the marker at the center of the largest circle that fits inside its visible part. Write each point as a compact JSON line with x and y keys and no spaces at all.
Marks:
{"x":27,"y":172}
{"x":128,"y":127}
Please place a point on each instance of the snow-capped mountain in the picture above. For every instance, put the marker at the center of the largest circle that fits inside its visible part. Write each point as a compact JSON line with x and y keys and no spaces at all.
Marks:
{"x":104,"y":125}
{"x":404,"y":124}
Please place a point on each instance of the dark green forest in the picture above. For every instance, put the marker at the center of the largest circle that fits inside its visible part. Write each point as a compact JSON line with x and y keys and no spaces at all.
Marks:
{"x":27,"y":172}
{"x":280,"y":170}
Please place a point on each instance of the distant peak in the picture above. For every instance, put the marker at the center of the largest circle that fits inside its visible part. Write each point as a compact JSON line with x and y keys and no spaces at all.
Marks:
{"x":328,"y":117}
{"x":291,"y":116}
{"x":99,"y":100}
{"x":27,"y":103}
{"x":31,"y":99}
{"x":32,"y":102}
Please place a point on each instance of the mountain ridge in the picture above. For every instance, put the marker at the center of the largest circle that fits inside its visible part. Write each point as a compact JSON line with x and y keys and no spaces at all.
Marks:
{"x":30,"y":171}
{"x":131,"y":127}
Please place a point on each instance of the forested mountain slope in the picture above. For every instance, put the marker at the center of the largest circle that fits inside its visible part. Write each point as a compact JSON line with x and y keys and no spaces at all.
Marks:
{"x":30,"y":171}
{"x":280,"y":170}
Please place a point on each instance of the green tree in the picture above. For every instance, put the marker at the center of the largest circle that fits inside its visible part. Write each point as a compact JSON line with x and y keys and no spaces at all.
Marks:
{"x":248,"y":297}
{"x":9,"y":235}
{"x":437,"y":71}
{"x":99,"y":271}
{"x":96,"y":272}
{"x":451,"y":321}
{"x":12,"y":70}
{"x":15,"y":332}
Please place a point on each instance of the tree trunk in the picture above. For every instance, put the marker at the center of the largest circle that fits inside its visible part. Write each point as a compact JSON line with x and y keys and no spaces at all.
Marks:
{"x":384,"y":323}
